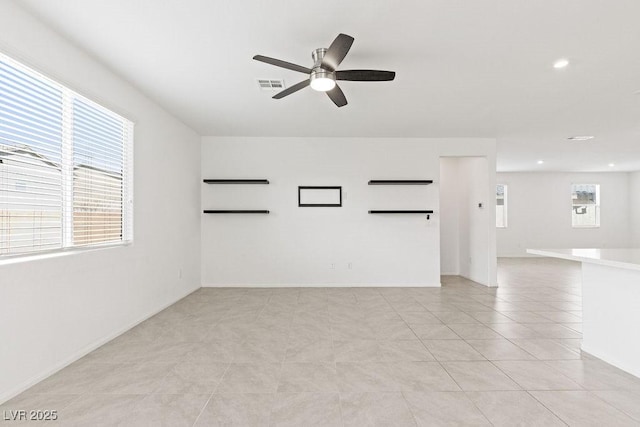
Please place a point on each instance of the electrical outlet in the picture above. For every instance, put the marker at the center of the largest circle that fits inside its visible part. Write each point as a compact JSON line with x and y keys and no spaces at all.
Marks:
{"x":332,"y":266}
{"x":350,"y":266}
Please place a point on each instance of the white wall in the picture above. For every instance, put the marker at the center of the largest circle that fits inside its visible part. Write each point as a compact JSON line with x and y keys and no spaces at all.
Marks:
{"x":476,"y":260}
{"x":464,"y":235}
{"x":55,"y":310}
{"x":449,"y":220}
{"x":539,"y":212}
{"x":297,"y":246}
{"x":634,"y":208}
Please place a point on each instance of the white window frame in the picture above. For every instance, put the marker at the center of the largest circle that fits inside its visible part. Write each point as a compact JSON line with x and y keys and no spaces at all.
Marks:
{"x":597,"y":207}
{"x":67,"y":240}
{"x":506,"y":209}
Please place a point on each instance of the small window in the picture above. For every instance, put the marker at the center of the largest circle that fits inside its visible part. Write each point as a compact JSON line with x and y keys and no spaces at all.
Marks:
{"x":501,"y":206}
{"x":585,"y":205}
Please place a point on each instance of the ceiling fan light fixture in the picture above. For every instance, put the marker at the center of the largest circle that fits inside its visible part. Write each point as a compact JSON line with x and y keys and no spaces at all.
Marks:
{"x":322,"y":81}
{"x":323,"y":84}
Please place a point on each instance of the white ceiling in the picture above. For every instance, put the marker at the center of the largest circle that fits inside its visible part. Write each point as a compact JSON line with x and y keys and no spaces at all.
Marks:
{"x":465,"y":68}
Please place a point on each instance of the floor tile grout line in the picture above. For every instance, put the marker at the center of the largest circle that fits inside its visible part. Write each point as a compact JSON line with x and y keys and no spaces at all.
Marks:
{"x":409,"y":326}
{"x":536,"y":357}
{"x":593,"y":392}
{"x":530,"y":389}
{"x":340,"y":406}
{"x":478,"y":408}
{"x":547,"y":408}
{"x":203,"y":408}
{"x":211,"y":395}
{"x":413,"y":415}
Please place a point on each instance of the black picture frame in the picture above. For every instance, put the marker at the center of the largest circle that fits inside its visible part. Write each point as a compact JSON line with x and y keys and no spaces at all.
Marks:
{"x":319,"y":205}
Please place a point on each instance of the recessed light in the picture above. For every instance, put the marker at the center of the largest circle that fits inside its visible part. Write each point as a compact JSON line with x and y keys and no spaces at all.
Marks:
{"x":611,"y":165}
{"x":540,"y":162}
{"x":561,"y":63}
{"x":580,"y":138}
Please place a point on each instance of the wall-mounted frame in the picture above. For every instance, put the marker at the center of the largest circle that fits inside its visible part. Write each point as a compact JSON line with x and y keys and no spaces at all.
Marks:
{"x":319,"y":197}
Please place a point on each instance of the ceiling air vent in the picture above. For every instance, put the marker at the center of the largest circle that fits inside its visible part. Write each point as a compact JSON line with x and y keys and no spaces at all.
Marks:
{"x":271,"y":84}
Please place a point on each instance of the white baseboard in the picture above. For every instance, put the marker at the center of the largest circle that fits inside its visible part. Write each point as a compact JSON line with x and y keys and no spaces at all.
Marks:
{"x":517,"y":255}
{"x":83,"y":352}
{"x":320,"y":285}
{"x":488,"y":285}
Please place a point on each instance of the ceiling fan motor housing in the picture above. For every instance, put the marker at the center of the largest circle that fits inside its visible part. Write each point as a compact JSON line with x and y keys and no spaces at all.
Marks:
{"x":317,"y":56}
{"x":317,"y":72}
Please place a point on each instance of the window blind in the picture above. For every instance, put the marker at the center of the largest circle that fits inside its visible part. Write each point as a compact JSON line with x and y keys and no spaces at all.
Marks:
{"x":65,"y":166}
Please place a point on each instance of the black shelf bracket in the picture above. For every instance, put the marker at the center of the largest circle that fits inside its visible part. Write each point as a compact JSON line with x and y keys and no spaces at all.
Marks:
{"x":400,"y":182}
{"x":228,"y":211}
{"x":235,"y":181}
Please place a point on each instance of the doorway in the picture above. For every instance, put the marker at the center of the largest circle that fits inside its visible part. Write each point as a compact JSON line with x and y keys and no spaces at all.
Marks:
{"x":467,"y":219}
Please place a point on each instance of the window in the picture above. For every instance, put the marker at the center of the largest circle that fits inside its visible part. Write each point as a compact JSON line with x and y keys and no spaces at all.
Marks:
{"x":585,"y":205}
{"x":65,"y":167}
{"x":501,"y":206}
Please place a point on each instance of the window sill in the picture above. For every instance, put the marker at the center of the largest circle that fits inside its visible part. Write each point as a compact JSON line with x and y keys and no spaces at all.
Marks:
{"x":57,"y":253}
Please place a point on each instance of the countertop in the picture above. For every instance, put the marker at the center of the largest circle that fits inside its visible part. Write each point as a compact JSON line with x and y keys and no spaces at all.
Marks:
{"x":628,"y":258}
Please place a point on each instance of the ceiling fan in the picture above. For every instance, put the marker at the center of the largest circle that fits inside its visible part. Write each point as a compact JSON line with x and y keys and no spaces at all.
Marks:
{"x":324,"y":73}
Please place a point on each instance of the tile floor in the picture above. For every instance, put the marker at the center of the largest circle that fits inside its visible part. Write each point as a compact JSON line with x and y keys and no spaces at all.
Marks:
{"x":460,"y":355}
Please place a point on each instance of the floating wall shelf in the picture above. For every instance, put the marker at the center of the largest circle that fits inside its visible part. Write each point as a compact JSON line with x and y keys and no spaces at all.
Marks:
{"x":235,"y":181}
{"x":400,"y":212}
{"x":400,"y":182}
{"x":236,"y":211}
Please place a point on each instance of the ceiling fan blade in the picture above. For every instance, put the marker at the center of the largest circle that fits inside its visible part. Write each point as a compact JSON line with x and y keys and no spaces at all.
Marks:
{"x":337,"y":96}
{"x":365,"y":75}
{"x":336,"y":52}
{"x":283,"y":64}
{"x":288,"y":91}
